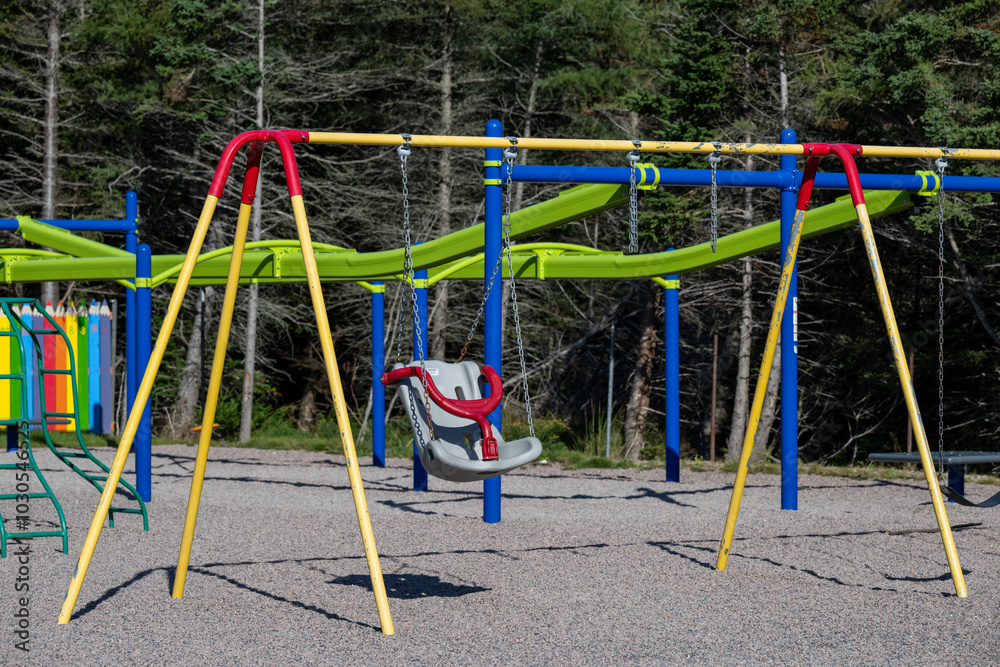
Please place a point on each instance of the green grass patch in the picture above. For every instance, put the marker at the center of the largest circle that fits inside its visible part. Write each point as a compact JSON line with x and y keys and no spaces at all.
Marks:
{"x":573,"y":449}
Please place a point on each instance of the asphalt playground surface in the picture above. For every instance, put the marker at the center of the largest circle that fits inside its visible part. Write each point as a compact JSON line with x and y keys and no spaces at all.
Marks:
{"x":591,"y":567}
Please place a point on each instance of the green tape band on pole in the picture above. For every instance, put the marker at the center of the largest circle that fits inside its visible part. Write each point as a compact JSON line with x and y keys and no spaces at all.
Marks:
{"x":492,"y":163}
{"x":491,"y":181}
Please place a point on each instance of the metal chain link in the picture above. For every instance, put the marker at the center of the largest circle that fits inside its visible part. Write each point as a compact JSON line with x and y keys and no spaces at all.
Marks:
{"x":713,"y":162}
{"x":633,"y":202}
{"x":489,"y":285}
{"x":482,"y":305}
{"x":404,"y":152}
{"x":509,"y":154}
{"x":942,"y":164}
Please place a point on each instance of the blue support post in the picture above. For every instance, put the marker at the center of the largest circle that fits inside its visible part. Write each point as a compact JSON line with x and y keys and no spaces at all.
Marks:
{"x":132,"y":377}
{"x":493,"y":312}
{"x":144,"y":347}
{"x":420,"y":286}
{"x":789,"y":346}
{"x":672,"y":369}
{"x":378,"y":365}
{"x":956,"y":479}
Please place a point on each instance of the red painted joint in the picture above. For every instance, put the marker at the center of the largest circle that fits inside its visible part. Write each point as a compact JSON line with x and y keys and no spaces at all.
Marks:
{"x":817,"y":150}
{"x":264,"y":136}
{"x":296,"y":136}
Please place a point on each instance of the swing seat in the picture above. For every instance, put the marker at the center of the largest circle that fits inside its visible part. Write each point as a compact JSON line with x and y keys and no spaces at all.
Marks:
{"x":459,"y":452}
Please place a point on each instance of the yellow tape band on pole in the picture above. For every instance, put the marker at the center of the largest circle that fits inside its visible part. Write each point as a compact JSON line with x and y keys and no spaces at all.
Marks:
{"x":899,"y":357}
{"x":924,"y":192}
{"x":642,"y":167}
{"x":142,"y":395}
{"x":212,"y":398}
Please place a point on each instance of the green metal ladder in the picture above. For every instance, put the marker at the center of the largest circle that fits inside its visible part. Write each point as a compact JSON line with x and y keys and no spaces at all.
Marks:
{"x":68,"y":456}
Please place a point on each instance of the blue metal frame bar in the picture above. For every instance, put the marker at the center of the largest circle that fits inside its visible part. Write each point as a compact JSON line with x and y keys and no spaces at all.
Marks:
{"x":378,"y":365}
{"x":419,"y":473}
{"x":789,"y":341}
{"x":143,"y":348}
{"x":672,"y":366}
{"x":745,"y":179}
{"x":493,"y":312}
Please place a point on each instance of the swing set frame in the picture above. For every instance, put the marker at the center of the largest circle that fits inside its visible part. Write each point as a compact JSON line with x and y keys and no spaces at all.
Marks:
{"x":256,"y":140}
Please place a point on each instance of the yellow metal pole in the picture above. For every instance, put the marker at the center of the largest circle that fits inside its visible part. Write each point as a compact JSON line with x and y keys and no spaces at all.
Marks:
{"x":927,"y":152}
{"x":760,"y":392}
{"x":212,"y":398}
{"x":439,"y":141}
{"x":340,"y":407}
{"x":899,"y":357}
{"x":539,"y":143}
{"x":142,"y":395}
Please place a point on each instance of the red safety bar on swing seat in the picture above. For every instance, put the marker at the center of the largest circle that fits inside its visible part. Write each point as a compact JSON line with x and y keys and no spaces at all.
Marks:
{"x":476,"y":409}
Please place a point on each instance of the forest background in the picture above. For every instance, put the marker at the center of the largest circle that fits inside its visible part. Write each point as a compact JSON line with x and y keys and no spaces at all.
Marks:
{"x":98,"y":97}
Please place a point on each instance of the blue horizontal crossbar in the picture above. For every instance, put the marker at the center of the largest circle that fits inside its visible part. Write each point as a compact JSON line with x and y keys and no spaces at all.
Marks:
{"x":746,"y":179}
{"x":120,"y":226}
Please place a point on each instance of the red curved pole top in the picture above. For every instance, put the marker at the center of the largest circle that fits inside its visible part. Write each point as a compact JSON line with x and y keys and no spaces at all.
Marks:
{"x":284,"y":139}
{"x":845,"y":153}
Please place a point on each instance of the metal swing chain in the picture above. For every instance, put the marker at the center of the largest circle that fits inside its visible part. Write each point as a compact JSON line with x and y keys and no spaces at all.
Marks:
{"x":489,"y":285}
{"x":713,"y":162}
{"x":942,"y":164}
{"x":633,"y":201}
{"x":509,"y":155}
{"x":404,"y":150}
{"x":482,"y":305}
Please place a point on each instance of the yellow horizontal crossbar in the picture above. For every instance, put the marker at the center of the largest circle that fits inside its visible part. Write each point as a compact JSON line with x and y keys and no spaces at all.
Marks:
{"x":533,"y":143}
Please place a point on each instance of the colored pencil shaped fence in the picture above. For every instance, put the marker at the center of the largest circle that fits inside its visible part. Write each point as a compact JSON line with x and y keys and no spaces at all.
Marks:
{"x":87,"y":329}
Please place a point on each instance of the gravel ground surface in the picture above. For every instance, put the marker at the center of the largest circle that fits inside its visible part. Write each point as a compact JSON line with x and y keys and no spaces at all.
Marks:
{"x":587,"y":567}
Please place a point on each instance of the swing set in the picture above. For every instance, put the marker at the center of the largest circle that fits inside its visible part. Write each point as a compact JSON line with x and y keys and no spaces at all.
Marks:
{"x":451,"y":428}
{"x":450,"y":405}
{"x":954,"y":461}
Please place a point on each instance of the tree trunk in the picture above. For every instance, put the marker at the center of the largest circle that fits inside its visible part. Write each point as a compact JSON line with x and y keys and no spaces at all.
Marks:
{"x":185,"y":408}
{"x":439,"y":315}
{"x":769,"y":409}
{"x":50,"y":172}
{"x":522,"y":159}
{"x":636,"y":412}
{"x":307,"y":410}
{"x":250,"y":352}
{"x":741,"y":398}
{"x":783,"y":84}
